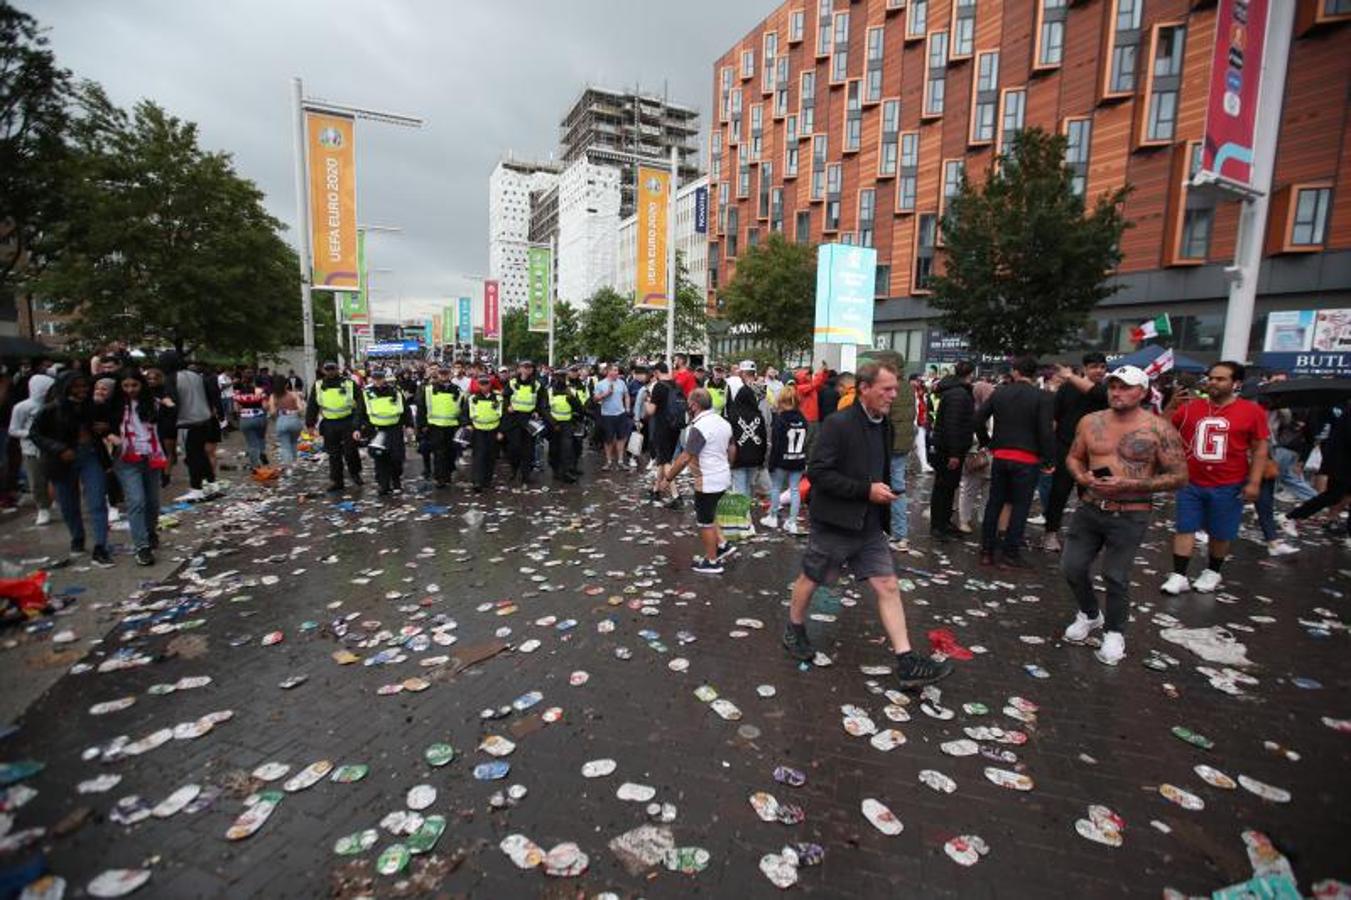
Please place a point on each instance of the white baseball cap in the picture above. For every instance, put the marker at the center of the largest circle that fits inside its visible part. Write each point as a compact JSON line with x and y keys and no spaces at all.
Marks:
{"x":746,"y":365}
{"x":1131,"y":375}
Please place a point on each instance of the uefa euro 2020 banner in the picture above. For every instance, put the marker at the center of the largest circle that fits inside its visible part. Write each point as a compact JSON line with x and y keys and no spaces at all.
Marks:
{"x":654,"y":186}
{"x":331,"y":141}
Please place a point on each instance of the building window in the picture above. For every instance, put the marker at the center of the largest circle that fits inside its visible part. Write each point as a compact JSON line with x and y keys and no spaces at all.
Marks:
{"x":1309,"y":228}
{"x":986,"y":97}
{"x":926,"y":236}
{"x":715,"y":154}
{"x":819,"y":147}
{"x":853,"y":118}
{"x":713,"y":266}
{"x":757,"y":131}
{"x":936,"y":82}
{"x":1125,"y":45}
{"x":839,"y":50}
{"x":796,"y":21}
{"x":867,"y":209}
{"x":781,"y":87}
{"x":905,"y":185}
{"x":803,"y":228}
{"x":747,"y":64}
{"x":768,"y":72}
{"x":726,"y":89}
{"x":806,"y":105}
{"x":734,"y":137}
{"x":882,"y":281}
{"x":1165,"y":81}
{"x":953,"y":170}
{"x":963,"y":28}
{"x":1078,"y":137}
{"x":752,"y":238}
{"x":834,"y":179}
{"x":891,"y":124}
{"x":776,"y":209}
{"x":824,"y":9}
{"x":873,"y":90}
{"x":723,"y":193}
{"x":1011,"y":120}
{"x":743,"y":176}
{"x":1051,"y":16}
{"x":790,"y":147}
{"x":766,"y":179}
{"x":731,"y":232}
{"x":916,"y":19}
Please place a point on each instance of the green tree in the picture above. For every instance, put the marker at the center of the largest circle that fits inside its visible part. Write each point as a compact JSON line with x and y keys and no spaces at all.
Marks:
{"x":644,"y":334}
{"x":774,"y":292}
{"x":518,"y":341}
{"x":603,"y":324}
{"x":34,"y":92}
{"x":169,"y":246}
{"x":567,"y":332}
{"x":1023,"y":263}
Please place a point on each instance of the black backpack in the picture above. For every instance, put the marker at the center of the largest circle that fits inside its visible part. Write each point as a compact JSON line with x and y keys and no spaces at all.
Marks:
{"x":676,"y":408}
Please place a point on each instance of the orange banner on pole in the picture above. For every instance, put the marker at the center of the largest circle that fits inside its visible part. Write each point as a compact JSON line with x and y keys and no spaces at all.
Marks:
{"x":654,"y":186}
{"x":331,"y":141}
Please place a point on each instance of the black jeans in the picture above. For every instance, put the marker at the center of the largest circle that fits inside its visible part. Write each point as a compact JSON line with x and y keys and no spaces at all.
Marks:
{"x":445,"y":451}
{"x":520,"y":443}
{"x":485,"y":456}
{"x":1117,"y":536}
{"x":194,"y":452}
{"x":340,"y":446}
{"x":561,"y":450}
{"x":1014,"y":483}
{"x":1337,"y":489}
{"x":389,"y":461}
{"x":1062,"y":485}
{"x":946,"y":482}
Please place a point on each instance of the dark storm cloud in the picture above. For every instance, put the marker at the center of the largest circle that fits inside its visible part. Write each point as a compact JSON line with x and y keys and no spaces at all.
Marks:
{"x":489,"y":77}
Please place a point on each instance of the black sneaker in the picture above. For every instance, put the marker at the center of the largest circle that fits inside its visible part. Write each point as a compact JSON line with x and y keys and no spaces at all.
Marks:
{"x":707,"y":566}
{"x":913,"y":670}
{"x":336,"y":488}
{"x":725,"y":549}
{"x":674,"y":503}
{"x":796,"y":643}
{"x":358,"y":480}
{"x":145,"y":557}
{"x":77,"y":548}
{"x":1014,"y":561}
{"x":101,"y":558}
{"x":154,"y":540}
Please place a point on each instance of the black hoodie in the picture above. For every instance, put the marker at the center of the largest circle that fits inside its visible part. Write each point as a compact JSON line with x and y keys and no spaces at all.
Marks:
{"x":953,"y":431}
{"x":748,"y":430}
{"x":62,"y":424}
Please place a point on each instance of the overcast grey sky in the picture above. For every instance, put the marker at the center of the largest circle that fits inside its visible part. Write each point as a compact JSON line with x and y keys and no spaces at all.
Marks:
{"x":489,"y":76}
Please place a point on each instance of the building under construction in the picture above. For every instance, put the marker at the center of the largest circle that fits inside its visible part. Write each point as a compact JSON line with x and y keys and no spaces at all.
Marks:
{"x":608,"y":128}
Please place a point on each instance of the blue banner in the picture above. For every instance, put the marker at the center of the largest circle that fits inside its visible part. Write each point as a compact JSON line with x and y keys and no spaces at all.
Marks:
{"x":846,"y":288}
{"x":465,"y":322}
{"x":1307,"y":363}
{"x":395,"y":348}
{"x":701,"y":210}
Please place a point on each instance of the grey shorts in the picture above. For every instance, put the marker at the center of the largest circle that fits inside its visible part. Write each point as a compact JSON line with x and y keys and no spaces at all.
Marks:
{"x":867,"y":555}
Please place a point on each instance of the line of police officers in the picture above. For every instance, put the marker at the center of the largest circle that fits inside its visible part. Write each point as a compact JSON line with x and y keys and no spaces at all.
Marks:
{"x":448,"y":419}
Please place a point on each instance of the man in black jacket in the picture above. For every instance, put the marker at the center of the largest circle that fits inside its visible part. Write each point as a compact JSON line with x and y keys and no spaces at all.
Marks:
{"x":850,"y":471}
{"x":1024,"y":446}
{"x":948,"y":445}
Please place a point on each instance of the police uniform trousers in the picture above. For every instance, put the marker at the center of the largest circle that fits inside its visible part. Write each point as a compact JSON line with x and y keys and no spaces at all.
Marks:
{"x":520,"y":444}
{"x":445,"y":452}
{"x":389,"y":461}
{"x":340,"y":446}
{"x":485,"y":456}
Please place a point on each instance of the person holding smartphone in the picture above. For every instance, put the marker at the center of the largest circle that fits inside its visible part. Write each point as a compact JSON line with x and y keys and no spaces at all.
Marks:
{"x":1120,"y":457}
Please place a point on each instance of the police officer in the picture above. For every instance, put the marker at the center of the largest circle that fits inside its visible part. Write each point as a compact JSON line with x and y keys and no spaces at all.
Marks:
{"x":343,"y":408}
{"x":717,"y":390}
{"x":564,"y":407}
{"x":439,"y":417}
{"x":387,"y":415}
{"x":524,"y":400}
{"x":580,"y":390}
{"x":484,"y":410}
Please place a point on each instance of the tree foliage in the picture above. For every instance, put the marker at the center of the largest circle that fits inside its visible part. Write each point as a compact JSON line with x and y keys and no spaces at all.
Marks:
{"x":34,"y":93}
{"x":518,"y":341}
{"x":774,"y":293}
{"x":644,"y":334}
{"x":603,"y":324}
{"x":567,"y":332}
{"x":1022,"y":263}
{"x":166,"y":243}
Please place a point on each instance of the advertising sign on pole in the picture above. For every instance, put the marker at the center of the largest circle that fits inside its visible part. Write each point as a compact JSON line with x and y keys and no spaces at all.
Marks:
{"x":354,"y":303}
{"x":653,"y":185}
{"x":333,"y":200}
{"x":701,"y":210}
{"x":1235,"y":80}
{"x":466,"y":322}
{"x":492,"y":321}
{"x":845,"y":287}
{"x":447,"y":324}
{"x":538,"y":312}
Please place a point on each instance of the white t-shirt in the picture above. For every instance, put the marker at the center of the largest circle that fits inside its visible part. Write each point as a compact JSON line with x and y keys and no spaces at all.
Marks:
{"x":707,"y":440}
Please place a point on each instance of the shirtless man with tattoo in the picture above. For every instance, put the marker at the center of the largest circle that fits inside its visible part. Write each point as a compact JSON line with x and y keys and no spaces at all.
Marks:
{"x":1120,"y":457}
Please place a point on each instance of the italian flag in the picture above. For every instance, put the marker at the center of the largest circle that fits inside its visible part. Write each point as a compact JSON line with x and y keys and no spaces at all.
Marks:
{"x":1156,"y":327}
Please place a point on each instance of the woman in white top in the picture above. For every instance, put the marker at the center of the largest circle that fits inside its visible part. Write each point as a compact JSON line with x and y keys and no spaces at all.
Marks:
{"x":138,"y":459}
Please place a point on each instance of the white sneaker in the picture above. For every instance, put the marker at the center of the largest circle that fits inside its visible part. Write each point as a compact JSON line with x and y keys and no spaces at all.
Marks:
{"x":192,"y":496}
{"x":770,"y":521}
{"x":113,"y":514}
{"x":1037,"y":520}
{"x":1203,"y":537}
{"x":1286,"y":524}
{"x":1176,"y":584}
{"x":1279,"y":547}
{"x":1346,"y":542}
{"x":791,"y":527}
{"x":1082,"y":627}
{"x":901,"y":545}
{"x":44,"y":517}
{"x":1207,"y":581}
{"x":1113,"y":648}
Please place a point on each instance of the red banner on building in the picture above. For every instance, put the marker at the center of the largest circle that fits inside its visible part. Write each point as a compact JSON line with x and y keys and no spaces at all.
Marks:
{"x":1235,"y":81}
{"x":492,"y":319}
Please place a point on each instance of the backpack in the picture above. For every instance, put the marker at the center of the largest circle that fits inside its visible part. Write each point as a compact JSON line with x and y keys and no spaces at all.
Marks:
{"x":677,"y":409}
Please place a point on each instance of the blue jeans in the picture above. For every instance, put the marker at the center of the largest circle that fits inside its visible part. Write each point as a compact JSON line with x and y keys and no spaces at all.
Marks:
{"x":900,"y":507}
{"x":743,"y":482}
{"x":1289,"y":478}
{"x":84,"y":473}
{"x":1014,"y":483}
{"x":140,"y":486}
{"x":288,"y":434}
{"x":1266,"y":510}
{"x":778,"y":478}
{"x":1044,"y":490}
{"x":254,"y":429}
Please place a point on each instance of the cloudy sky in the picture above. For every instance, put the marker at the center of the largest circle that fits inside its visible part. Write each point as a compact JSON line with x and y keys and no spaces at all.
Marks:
{"x":490,"y":77}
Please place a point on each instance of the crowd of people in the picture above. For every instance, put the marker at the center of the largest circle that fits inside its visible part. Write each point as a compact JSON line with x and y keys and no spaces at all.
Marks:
{"x":103,"y":435}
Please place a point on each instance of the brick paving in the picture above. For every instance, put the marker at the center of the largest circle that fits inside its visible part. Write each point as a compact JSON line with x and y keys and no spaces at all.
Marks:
{"x":645,"y":716}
